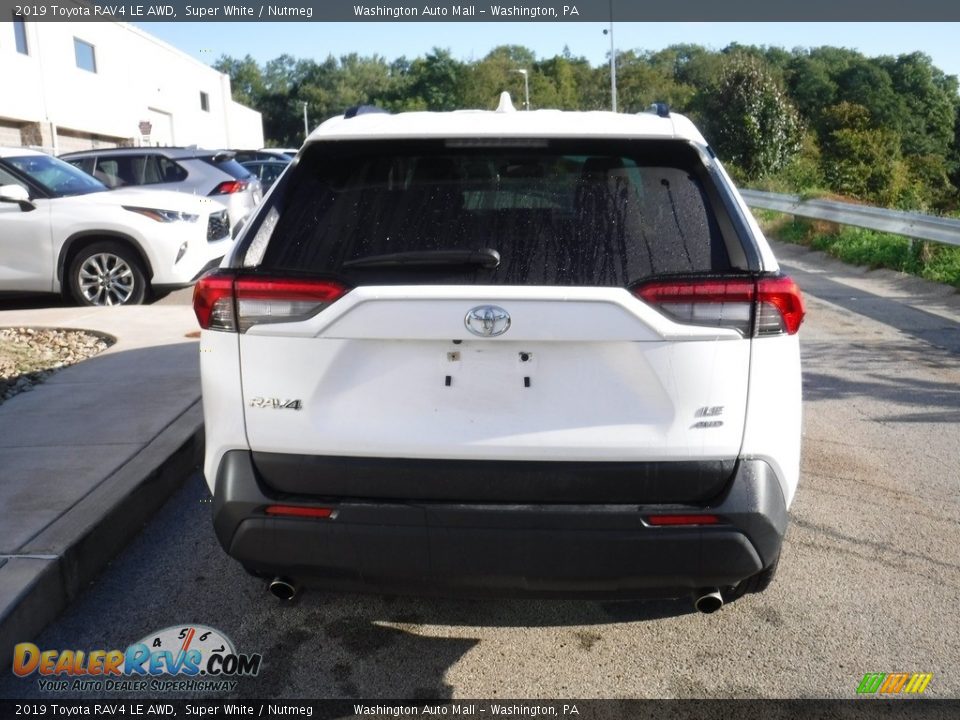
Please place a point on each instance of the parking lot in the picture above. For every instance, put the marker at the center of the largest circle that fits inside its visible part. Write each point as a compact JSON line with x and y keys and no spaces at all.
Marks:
{"x":868,"y":581}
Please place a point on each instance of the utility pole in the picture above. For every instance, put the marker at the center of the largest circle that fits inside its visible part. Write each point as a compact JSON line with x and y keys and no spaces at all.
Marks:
{"x":306,"y":125}
{"x":613,"y":64}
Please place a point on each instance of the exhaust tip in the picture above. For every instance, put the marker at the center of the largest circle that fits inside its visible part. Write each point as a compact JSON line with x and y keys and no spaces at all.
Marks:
{"x":708,"y":600}
{"x":283,"y":589}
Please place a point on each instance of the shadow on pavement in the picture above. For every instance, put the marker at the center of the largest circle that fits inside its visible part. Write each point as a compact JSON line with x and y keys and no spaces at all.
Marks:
{"x":32,"y":301}
{"x":874,"y":371}
{"x":920,"y":324}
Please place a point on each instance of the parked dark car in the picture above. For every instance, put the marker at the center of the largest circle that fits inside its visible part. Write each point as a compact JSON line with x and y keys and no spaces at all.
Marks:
{"x":266,"y":170}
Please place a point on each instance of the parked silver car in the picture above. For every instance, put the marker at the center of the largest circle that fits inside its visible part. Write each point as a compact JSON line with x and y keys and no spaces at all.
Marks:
{"x":212,"y":173}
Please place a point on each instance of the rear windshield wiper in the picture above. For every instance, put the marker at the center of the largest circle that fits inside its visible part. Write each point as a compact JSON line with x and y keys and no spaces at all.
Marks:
{"x":484,"y":257}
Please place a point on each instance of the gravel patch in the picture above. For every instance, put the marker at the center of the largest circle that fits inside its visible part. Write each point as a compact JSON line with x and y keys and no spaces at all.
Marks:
{"x":28,"y":356}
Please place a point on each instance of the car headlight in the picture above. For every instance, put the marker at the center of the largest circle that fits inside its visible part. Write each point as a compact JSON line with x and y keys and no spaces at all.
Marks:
{"x":164,"y":216}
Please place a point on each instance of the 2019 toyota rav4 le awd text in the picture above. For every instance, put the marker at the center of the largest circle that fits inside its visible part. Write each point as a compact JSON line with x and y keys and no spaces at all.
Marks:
{"x":544,"y":353}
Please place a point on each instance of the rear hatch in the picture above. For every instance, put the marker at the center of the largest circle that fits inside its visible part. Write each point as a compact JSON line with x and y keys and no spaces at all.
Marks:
{"x":570,"y":316}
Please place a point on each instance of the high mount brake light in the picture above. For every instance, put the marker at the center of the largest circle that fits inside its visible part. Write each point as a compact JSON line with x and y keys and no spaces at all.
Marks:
{"x":228,"y":303}
{"x":768,"y":306}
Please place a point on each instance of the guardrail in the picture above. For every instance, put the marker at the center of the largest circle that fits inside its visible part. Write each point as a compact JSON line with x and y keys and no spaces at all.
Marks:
{"x":915,"y":225}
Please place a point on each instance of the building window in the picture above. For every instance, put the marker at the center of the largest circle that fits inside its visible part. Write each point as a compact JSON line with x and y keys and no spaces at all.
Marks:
{"x":86,"y":56}
{"x":204,"y":102}
{"x":20,"y":35}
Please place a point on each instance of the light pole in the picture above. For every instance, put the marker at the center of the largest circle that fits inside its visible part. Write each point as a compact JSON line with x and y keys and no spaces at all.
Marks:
{"x":613,"y":64}
{"x":306,"y":125}
{"x":526,"y":88}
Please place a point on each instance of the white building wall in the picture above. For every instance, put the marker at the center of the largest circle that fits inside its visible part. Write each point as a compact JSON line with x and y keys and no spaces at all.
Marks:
{"x":138,"y":78}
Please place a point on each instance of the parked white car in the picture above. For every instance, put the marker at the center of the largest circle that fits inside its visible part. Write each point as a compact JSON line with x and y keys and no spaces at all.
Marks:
{"x":539,"y":352}
{"x":64,"y":231}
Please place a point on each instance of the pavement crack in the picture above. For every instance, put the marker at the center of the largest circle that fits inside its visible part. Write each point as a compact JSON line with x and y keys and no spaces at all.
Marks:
{"x":827,"y":531}
{"x":896,"y":494}
{"x":898,"y":566}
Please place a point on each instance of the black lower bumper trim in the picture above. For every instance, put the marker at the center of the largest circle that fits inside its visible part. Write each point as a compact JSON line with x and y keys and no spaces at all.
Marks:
{"x":478,"y":548}
{"x":523,"y":481}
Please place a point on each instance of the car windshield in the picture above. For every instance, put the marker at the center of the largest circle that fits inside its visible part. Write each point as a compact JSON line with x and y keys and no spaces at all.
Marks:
{"x":55,"y":176}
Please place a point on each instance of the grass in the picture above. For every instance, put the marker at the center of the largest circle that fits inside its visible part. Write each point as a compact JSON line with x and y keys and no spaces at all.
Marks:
{"x":932,"y":261}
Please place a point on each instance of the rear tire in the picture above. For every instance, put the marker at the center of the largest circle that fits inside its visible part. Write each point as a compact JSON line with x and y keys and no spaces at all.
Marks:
{"x":105,"y":274}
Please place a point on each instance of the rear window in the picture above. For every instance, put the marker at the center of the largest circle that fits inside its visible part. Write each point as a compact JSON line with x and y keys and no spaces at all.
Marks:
{"x":123,"y":170}
{"x":231,"y":167}
{"x":561,"y":213}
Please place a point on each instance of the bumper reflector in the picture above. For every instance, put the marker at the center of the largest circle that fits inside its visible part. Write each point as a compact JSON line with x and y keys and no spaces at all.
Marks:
{"x":300,"y":511}
{"x":674,"y":520}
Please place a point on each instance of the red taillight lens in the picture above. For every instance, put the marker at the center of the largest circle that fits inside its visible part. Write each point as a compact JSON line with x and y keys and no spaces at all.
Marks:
{"x":675,"y":520}
{"x":730,"y":303}
{"x":228,"y":187}
{"x":779,"y":296}
{"x":213,"y":301}
{"x":300,"y":511}
{"x":223,"y":301}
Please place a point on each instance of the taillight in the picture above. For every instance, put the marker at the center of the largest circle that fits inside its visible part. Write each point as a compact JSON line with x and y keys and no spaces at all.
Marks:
{"x":228,"y":187}
{"x":225,"y":302}
{"x":213,"y":301}
{"x":769,"y":306}
{"x":779,"y":306}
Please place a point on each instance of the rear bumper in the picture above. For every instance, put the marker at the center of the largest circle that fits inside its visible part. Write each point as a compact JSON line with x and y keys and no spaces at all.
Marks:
{"x":517,"y":548}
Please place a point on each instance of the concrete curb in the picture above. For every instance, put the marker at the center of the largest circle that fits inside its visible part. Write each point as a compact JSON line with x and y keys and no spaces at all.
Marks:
{"x":54,"y":567}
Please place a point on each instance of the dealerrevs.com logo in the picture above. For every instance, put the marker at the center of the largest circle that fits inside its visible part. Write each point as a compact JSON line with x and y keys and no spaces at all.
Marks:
{"x":182,"y":658}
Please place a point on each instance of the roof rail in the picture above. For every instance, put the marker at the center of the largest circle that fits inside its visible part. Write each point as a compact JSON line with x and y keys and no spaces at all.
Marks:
{"x":363,"y":110}
{"x":660,"y":109}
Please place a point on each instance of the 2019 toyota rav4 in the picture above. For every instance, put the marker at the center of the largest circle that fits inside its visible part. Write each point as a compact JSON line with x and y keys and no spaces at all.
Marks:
{"x":540,"y":352}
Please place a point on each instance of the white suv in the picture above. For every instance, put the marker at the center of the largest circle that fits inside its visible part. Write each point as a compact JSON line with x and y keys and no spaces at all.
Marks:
{"x":546,"y":352}
{"x":64,"y":231}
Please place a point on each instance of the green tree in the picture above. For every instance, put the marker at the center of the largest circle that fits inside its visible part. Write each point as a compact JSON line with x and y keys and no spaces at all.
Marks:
{"x":868,"y":84}
{"x":246,"y":80}
{"x":928,"y":98}
{"x":858,"y":159}
{"x":749,"y":120}
{"x":642,"y":82}
{"x":436,"y":81}
{"x":486,"y":79}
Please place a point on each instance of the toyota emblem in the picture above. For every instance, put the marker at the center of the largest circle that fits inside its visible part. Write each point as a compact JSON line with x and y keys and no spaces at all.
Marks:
{"x":487,"y":321}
